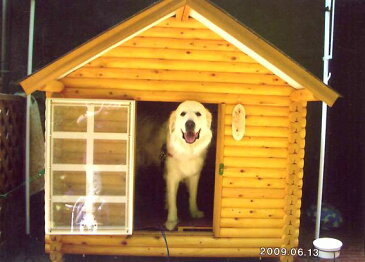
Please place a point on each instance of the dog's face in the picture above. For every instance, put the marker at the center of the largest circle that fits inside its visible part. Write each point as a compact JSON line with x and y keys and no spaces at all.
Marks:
{"x":190,"y":122}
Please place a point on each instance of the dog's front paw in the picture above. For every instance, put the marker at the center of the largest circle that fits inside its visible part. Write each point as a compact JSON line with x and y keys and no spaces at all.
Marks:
{"x":171,"y":224}
{"x":197,"y":213}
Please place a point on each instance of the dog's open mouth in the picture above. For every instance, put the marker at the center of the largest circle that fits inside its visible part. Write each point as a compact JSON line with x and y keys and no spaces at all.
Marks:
{"x":190,"y":136}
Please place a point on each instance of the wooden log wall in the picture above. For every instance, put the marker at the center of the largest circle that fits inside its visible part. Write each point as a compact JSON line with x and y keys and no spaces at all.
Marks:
{"x":176,"y":61}
{"x":294,"y":179}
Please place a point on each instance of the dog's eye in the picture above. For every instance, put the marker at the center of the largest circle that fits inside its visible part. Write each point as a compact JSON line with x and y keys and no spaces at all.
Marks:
{"x":183,"y":113}
{"x":198,"y":113}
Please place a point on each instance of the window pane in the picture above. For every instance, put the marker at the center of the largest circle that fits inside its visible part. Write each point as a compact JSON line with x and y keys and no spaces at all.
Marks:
{"x":69,"y":183}
{"x":111,"y":214}
{"x":110,"y":152}
{"x":69,"y":151}
{"x":74,"y":215}
{"x":111,"y":119}
{"x":110,"y":183}
{"x":67,"y":120}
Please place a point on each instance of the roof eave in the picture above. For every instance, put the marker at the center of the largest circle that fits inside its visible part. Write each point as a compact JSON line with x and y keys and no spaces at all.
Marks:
{"x":99,"y":44}
{"x":300,"y":77}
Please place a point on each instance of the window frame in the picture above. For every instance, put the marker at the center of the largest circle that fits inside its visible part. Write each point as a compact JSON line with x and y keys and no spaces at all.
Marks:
{"x":90,"y":136}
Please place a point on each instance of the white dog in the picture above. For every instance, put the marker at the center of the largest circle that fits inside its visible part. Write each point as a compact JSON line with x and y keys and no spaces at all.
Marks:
{"x":188,"y":137}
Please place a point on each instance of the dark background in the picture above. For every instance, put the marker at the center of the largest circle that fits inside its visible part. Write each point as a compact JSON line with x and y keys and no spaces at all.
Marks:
{"x":296,"y":27}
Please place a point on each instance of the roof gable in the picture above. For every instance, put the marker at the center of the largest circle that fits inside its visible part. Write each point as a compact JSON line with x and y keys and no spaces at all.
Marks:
{"x":213,"y":18}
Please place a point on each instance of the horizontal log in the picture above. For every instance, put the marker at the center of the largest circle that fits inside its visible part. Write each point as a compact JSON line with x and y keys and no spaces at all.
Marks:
{"x":296,"y":160}
{"x":176,"y":86}
{"x":255,"y":152}
{"x":255,"y":172}
{"x":145,"y":63}
{"x":263,"y":162}
{"x":180,"y":75}
{"x":272,"y":121}
{"x":300,"y":106}
{"x":292,"y":220}
{"x":293,"y":204}
{"x":252,"y":213}
{"x":292,"y":231}
{"x":160,"y":251}
{"x":185,"y":33}
{"x":168,"y":96}
{"x":261,"y":110}
{"x":293,"y":191}
{"x":253,"y":203}
{"x":188,"y":23}
{"x":251,"y":232}
{"x":53,"y":86}
{"x":298,"y":117}
{"x":253,"y":193}
{"x":179,"y":54}
{"x":261,"y":131}
{"x":253,"y":182}
{"x":256,"y":141}
{"x":297,"y":138}
{"x":251,"y":223}
{"x":174,"y":241}
{"x":303,"y":95}
{"x":179,"y":43}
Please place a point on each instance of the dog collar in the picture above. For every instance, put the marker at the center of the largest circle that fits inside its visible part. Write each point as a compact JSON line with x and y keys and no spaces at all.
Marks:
{"x":164,"y":153}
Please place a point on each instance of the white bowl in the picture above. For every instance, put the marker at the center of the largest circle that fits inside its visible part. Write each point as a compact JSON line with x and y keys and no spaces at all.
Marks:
{"x":328,"y":247}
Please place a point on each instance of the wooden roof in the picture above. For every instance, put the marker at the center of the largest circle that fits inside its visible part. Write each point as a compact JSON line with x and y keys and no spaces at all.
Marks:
{"x":203,"y":11}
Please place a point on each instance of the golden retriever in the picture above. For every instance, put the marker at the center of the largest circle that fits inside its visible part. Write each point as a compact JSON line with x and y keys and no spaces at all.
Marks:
{"x":188,"y":137}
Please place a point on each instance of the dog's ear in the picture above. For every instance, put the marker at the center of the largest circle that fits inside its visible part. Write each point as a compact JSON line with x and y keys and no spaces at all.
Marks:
{"x":209,"y":118}
{"x":172,"y":120}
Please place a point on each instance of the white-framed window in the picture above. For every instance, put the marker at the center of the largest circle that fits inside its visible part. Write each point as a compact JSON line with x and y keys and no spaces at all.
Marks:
{"x":89,"y":166}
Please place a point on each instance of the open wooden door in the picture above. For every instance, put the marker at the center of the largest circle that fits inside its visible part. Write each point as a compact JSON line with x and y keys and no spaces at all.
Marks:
{"x":219,"y":168}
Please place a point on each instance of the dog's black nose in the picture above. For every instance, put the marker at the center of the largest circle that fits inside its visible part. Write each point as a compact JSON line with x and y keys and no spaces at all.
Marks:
{"x":189,"y":125}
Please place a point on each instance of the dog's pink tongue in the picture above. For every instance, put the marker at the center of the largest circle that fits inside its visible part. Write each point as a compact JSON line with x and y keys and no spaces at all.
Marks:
{"x":190,"y":137}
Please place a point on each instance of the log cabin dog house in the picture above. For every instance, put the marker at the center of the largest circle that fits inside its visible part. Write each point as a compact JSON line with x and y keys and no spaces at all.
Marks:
{"x":173,"y":51}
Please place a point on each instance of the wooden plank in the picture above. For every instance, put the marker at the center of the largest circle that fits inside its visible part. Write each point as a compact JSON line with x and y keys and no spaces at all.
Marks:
{"x":179,"y":54}
{"x":168,"y":96}
{"x":303,"y":95}
{"x":253,"y":193}
{"x":188,"y":23}
{"x":256,"y":172}
{"x":160,"y":251}
{"x":253,"y":203}
{"x":178,"y":43}
{"x":266,"y":183}
{"x":175,"y":241}
{"x":251,"y":223}
{"x":89,"y":50}
{"x":177,"y":86}
{"x":262,"y":121}
{"x":185,"y":33}
{"x":261,"y":131}
{"x":255,"y":152}
{"x":252,"y":213}
{"x":251,"y":232}
{"x":53,"y":86}
{"x":173,"y":64}
{"x":261,"y":110}
{"x":186,"y":13}
{"x":186,"y":75}
{"x":218,"y":175}
{"x":257,"y":141}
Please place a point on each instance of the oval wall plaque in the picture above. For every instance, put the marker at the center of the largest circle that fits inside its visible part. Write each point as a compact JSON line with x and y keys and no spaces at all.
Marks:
{"x":238,"y":122}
